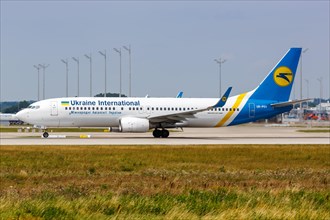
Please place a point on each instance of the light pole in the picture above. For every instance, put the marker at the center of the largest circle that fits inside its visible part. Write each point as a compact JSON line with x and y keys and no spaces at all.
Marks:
{"x":130,"y":69}
{"x":90,"y":73}
{"x":119,"y":52}
{"x":320,"y":80}
{"x":220,"y":61}
{"x":307,"y":82}
{"x":104,"y":54}
{"x":77,"y":60}
{"x":66,"y":62}
{"x":43,"y":66}
{"x":38,"y":68}
{"x":301,"y":74}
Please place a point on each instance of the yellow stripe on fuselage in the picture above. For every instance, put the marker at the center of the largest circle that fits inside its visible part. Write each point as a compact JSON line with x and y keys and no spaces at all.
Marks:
{"x":230,"y":113}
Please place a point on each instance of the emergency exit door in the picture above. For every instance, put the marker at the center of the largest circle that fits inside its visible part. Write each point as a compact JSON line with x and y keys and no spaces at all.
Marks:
{"x":54,"y":108}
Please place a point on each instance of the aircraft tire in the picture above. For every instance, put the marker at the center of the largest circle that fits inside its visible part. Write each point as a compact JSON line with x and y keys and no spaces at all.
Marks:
{"x":45,"y":134}
{"x":157,"y":133}
{"x":165,"y":133}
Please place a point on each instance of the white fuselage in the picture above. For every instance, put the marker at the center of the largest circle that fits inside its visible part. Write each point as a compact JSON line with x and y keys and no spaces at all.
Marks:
{"x":107,"y":112}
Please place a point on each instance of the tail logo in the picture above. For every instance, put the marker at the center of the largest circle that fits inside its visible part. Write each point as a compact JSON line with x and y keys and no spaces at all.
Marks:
{"x":283,"y":76}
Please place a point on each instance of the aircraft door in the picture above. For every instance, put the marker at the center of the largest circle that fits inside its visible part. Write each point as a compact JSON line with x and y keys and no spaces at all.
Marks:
{"x":54,"y":108}
{"x":141,"y":110}
{"x":148,"y":110}
{"x":252,"y":110}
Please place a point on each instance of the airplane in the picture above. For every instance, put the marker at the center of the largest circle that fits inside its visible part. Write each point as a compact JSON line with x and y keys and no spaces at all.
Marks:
{"x":268,"y":99}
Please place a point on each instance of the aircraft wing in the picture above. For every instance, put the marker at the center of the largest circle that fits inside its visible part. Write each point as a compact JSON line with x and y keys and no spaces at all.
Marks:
{"x":183,"y":116}
{"x":283,"y":104}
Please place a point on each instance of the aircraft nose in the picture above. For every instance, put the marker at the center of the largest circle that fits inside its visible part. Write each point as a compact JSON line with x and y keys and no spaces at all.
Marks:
{"x":22,"y":115}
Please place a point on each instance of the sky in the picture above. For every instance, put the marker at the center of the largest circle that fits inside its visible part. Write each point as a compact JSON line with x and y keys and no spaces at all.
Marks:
{"x":173,"y":44}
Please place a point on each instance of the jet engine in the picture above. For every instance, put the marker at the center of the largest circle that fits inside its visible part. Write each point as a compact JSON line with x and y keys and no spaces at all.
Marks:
{"x":131,"y":124}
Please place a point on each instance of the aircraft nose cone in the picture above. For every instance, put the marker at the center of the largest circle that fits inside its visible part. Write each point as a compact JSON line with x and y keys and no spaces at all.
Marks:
{"x":22,"y":115}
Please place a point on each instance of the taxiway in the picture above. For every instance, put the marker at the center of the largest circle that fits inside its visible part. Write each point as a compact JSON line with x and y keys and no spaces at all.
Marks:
{"x":190,"y":136}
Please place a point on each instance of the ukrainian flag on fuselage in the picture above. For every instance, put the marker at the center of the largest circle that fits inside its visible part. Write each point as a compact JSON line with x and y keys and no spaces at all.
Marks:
{"x":278,"y":83}
{"x":65,"y":103}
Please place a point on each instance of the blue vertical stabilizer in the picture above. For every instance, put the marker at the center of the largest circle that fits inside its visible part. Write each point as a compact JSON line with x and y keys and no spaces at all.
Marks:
{"x":278,"y":83}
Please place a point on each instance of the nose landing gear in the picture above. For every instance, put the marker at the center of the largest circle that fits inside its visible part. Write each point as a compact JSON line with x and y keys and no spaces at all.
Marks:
{"x":160,"y":133}
{"x":45,"y":134}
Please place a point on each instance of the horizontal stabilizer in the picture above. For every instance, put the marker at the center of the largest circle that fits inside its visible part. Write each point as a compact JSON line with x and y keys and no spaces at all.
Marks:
{"x":283,"y":104}
{"x":223,"y":99}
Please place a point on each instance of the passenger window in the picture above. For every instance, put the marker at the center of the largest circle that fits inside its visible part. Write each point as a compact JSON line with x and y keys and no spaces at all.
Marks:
{"x":160,"y":108}
{"x":152,"y":108}
{"x":176,"y":109}
{"x":89,"y":108}
{"x":97,"y":108}
{"x":227,"y":109}
{"x":230,"y":109}
{"x":148,"y":108}
{"x":101,"y":108}
{"x":129,"y":108}
{"x":184,"y":109}
{"x":66,"y":108}
{"x":237,"y":109}
{"x":113,"y":108}
{"x":156,"y":108}
{"x":172,"y":109}
{"x":122,"y":108}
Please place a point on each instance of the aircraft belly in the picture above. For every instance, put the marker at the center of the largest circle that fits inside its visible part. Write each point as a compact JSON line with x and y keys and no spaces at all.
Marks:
{"x":201,"y":122}
{"x":89,"y":121}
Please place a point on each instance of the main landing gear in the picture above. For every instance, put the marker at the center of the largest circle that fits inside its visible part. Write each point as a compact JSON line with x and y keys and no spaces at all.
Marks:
{"x":160,"y":133}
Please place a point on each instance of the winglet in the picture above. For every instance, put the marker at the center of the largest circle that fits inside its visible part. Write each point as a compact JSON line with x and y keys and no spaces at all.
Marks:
{"x":180,"y":94}
{"x":223,"y":99}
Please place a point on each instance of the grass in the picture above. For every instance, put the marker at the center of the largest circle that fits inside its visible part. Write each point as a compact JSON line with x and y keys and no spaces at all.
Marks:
{"x":165,"y":182}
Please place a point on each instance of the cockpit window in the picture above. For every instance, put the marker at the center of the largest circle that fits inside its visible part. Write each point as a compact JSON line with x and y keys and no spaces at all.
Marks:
{"x":34,"y":106}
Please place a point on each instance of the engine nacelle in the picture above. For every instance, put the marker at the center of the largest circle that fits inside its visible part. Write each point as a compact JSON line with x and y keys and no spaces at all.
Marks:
{"x":130,"y":124}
